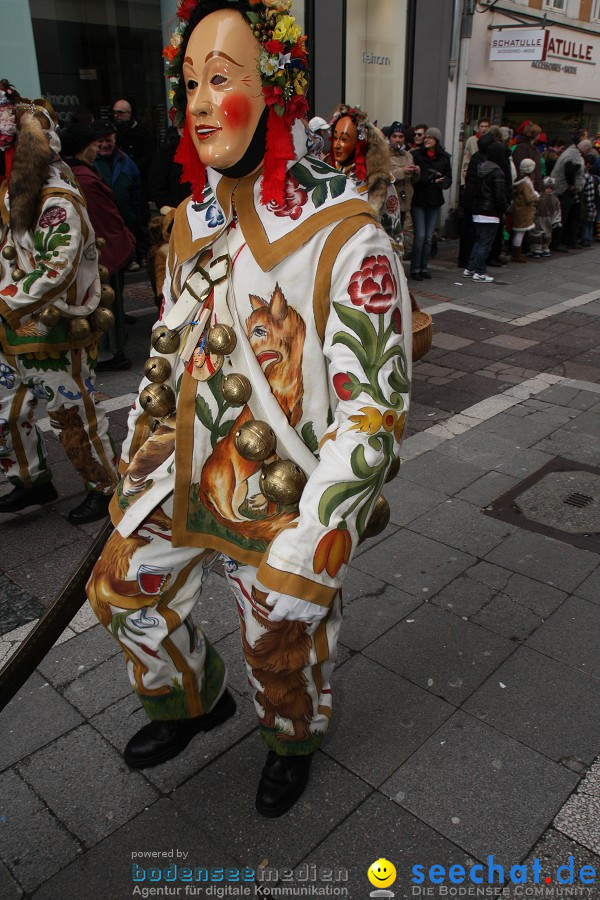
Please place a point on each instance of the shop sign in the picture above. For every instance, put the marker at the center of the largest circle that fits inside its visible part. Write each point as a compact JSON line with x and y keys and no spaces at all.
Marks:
{"x":373,"y":59}
{"x":515,"y":45}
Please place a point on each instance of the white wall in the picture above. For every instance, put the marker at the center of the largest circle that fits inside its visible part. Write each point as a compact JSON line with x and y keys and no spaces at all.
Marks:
{"x":17,"y":49}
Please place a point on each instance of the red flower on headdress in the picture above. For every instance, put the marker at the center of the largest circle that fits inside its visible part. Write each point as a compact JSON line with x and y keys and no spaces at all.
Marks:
{"x":170,"y":52}
{"x":374,"y":286}
{"x":186,"y":8}
{"x":274,"y":47}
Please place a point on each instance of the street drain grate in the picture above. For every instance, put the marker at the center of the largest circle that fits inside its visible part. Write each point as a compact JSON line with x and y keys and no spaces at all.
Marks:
{"x":560,"y":500}
{"x":578,"y":500}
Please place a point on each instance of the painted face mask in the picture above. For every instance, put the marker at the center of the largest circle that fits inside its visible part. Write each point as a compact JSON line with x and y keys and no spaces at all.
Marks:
{"x":345,"y":139}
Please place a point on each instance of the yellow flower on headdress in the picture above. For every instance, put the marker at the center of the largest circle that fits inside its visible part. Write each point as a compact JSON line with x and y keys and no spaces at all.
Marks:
{"x":300,"y":83}
{"x":286,"y":30}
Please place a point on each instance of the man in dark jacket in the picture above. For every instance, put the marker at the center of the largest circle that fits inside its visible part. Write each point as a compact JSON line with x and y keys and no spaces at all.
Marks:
{"x":467,"y":235}
{"x":120,"y":173}
{"x":489,"y":203}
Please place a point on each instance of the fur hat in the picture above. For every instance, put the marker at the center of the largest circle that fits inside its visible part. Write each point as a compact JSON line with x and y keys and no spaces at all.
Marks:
{"x":434,"y":133}
{"x":527,"y":166}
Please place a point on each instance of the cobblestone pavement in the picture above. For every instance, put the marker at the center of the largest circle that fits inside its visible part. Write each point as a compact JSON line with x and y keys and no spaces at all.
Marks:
{"x":465,"y":717}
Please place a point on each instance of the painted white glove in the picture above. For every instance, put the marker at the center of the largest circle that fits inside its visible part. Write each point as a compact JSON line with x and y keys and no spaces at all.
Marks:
{"x":292,"y":609}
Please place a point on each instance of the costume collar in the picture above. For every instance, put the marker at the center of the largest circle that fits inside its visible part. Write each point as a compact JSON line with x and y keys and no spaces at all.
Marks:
{"x":271,"y":232}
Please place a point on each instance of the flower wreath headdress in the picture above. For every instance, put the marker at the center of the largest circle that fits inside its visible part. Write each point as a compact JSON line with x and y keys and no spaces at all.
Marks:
{"x":361,"y":121}
{"x":283,"y":68}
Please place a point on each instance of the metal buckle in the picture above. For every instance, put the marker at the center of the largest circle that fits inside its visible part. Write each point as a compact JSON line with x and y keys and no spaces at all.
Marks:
{"x":226,"y":259}
{"x":207,"y":290}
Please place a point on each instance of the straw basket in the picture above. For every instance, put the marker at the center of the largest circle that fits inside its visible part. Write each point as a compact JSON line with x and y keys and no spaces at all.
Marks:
{"x":422,"y":329}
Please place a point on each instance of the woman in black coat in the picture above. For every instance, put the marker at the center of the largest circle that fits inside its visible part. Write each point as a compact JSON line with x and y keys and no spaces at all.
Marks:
{"x":489,"y":203}
{"x":435,"y":176}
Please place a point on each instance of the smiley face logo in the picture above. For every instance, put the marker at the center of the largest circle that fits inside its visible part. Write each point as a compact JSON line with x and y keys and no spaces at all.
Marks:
{"x":381,"y":873}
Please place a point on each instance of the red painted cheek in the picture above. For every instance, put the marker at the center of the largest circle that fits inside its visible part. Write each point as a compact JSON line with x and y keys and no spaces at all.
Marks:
{"x":237,"y":109}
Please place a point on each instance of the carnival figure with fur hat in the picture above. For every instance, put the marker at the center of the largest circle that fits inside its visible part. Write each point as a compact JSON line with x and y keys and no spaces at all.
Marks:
{"x":51,"y":315}
{"x":360,"y":150}
{"x":271,"y":411}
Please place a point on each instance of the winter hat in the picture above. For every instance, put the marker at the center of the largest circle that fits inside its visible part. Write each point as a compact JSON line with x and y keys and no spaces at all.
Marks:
{"x":486,"y":141}
{"x":75,"y":138}
{"x":549,"y":182}
{"x":397,"y":127}
{"x":318,"y":124}
{"x":102,"y":127}
{"x":527,"y":166}
{"x":434,"y":133}
{"x":584,"y":146}
{"x":496,"y":153}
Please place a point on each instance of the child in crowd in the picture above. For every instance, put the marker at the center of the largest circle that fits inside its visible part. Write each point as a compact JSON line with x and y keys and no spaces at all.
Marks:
{"x":589,"y":210}
{"x":547,"y":220}
{"x":523,"y":200}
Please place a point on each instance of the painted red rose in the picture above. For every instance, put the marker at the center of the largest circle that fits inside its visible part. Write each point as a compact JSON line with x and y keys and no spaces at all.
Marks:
{"x":374,"y":286}
{"x":52,"y":273}
{"x":391,"y":204}
{"x":295,"y":198}
{"x":397,"y":321}
{"x":9,"y":291}
{"x":54,"y":216}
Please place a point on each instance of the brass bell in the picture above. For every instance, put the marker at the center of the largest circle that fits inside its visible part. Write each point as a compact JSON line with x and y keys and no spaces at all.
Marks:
{"x":102,"y":319}
{"x":157,"y":369}
{"x":378,"y":520}
{"x":100,"y":243}
{"x":236,"y":389}
{"x":282,"y":482}
{"x":165,"y":341}
{"x":255,"y":441}
{"x":107,"y":295}
{"x":221,"y":340}
{"x":79,"y":328}
{"x":50,"y":316}
{"x":17,"y":274}
{"x":394,"y":469}
{"x":104,"y":274}
{"x":9,"y":252}
{"x":158,"y":400}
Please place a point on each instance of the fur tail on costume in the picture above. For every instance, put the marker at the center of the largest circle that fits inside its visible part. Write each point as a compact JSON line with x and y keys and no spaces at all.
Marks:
{"x":30,"y":169}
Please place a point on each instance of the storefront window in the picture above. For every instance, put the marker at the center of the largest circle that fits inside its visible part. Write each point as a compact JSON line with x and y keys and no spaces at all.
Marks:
{"x":90,"y":54}
{"x":375,"y":57}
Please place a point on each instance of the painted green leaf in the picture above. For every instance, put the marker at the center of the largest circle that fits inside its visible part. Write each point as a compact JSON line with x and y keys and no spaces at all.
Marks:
{"x":323,"y":168}
{"x":38,"y":241}
{"x":360,"y":323}
{"x":335,"y":495}
{"x":341,"y":337}
{"x":31,"y":279}
{"x":63,"y":228}
{"x":360,"y":466}
{"x":319,"y":195}
{"x":224,"y":428}
{"x":309,"y":437}
{"x":203,"y":412}
{"x":365,"y":510}
{"x":337,"y":185}
{"x":59,"y":240}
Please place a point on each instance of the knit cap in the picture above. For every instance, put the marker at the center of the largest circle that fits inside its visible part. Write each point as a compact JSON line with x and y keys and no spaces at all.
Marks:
{"x":434,"y":133}
{"x":527,"y":166}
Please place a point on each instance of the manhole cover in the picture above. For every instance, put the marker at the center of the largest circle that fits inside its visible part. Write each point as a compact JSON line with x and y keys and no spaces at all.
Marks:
{"x":561,"y":500}
{"x":568,"y":501}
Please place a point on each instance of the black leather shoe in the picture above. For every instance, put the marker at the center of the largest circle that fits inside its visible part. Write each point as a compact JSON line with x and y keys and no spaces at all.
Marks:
{"x":94,"y":507}
{"x":162,"y":739}
{"x":495,"y":263}
{"x":117,"y":363}
{"x":21,"y":498}
{"x":426,"y":275}
{"x":416,"y":276}
{"x":282,"y":782}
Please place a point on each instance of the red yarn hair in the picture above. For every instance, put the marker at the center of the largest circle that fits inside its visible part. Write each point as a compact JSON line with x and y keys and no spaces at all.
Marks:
{"x":194,"y":171}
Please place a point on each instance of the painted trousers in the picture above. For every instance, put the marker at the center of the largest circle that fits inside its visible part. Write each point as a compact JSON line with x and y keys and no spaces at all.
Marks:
{"x":143,"y":590}
{"x":64,"y":381}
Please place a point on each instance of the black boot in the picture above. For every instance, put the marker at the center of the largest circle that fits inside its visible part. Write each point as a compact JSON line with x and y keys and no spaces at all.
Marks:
{"x":282,"y":782}
{"x":162,"y":739}
{"x":94,"y":507}
{"x":21,"y":498}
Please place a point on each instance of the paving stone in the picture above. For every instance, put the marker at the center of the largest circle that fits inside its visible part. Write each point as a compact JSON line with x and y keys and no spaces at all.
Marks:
{"x":463,"y":362}
{"x":17,"y":607}
{"x":228,"y":786}
{"x":365,"y":698}
{"x":94,"y":691}
{"x":523,"y":434}
{"x":105,"y":872}
{"x":370,"y":608}
{"x":37,"y":526}
{"x":84,"y":652}
{"x":487,"y":489}
{"x":33,"y":844}
{"x":570,"y":397}
{"x":490,"y":575}
{"x":481,"y":789}
{"x":543,"y":704}
{"x":440,"y":652}
{"x":409,"y":500}
{"x":510,"y":341}
{"x":463,"y":597}
{"x":414,"y":563}
{"x":9,"y":889}
{"x":487,"y":451}
{"x":544,"y":559}
{"x":84,"y":619}
{"x":540,"y":598}
{"x":524,"y":463}
{"x":590,"y":588}
{"x":216,"y":610}
{"x":553,"y":850}
{"x":114,"y":798}
{"x":439,"y":472}
{"x":585,"y":423}
{"x":572,"y":635}
{"x":36,"y":715}
{"x":507,"y":618}
{"x":449,"y":341}
{"x":459,"y":525}
{"x":230,"y":649}
{"x":460,"y":394}
{"x":379,"y":827}
{"x":579,"y":819}
{"x":53,"y":570}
